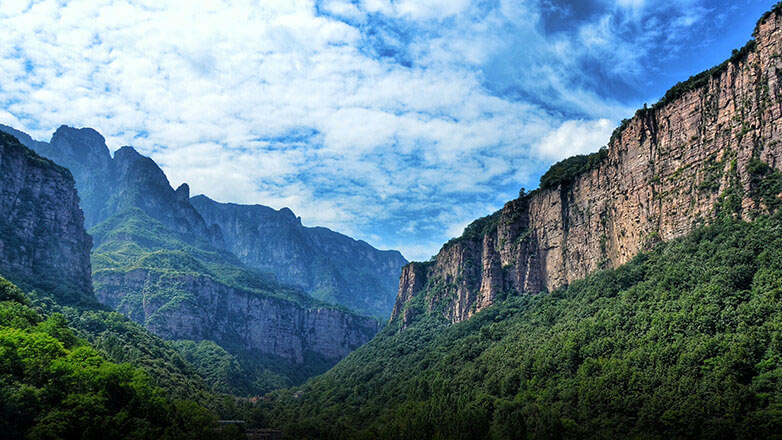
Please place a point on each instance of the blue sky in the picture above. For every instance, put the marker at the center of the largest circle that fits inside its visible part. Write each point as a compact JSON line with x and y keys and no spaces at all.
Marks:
{"x":396,"y":122}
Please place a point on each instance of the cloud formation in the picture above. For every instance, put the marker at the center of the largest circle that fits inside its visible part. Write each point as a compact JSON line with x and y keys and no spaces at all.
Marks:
{"x":392,"y":121}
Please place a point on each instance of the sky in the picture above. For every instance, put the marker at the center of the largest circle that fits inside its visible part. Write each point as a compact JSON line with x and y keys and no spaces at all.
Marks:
{"x":393,"y":121}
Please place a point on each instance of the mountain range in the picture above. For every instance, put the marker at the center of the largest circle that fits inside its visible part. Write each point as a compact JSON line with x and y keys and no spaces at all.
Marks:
{"x":155,"y":259}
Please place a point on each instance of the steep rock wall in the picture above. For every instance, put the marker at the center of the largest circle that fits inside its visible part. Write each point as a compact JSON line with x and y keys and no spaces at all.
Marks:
{"x":668,"y":169}
{"x":42,"y":237}
{"x":232,"y":317}
{"x":328,"y":265}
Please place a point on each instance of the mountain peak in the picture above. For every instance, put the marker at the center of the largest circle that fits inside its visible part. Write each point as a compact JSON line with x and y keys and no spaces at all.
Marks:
{"x":183,"y":193}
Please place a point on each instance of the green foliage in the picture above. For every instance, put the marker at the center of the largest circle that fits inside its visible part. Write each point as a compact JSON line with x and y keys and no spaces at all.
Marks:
{"x":767,"y":184}
{"x":681,"y":342}
{"x":121,"y":340}
{"x":133,"y":240}
{"x":54,"y":385}
{"x":564,"y":172}
{"x":478,"y":228}
{"x":243,"y":373}
{"x":9,"y":292}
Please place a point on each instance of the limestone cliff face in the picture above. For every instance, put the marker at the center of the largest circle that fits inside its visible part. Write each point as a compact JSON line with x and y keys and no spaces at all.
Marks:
{"x":668,"y":169}
{"x":328,"y":265}
{"x":42,"y":237}
{"x":235,"y":318}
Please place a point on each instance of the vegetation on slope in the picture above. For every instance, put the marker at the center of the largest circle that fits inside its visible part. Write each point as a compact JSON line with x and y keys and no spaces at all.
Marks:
{"x":132,"y":240}
{"x":684,"y":341}
{"x":565,"y":171}
{"x":54,"y":384}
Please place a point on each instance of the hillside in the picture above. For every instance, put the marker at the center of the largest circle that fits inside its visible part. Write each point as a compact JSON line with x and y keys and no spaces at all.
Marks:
{"x":62,"y":354}
{"x":56,"y":385}
{"x":187,"y":290}
{"x":681,"y":342}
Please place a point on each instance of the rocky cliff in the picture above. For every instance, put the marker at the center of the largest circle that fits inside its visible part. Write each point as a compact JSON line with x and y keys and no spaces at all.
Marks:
{"x":234,"y":317}
{"x":328,"y":265}
{"x":42,"y":239}
{"x":702,"y":151}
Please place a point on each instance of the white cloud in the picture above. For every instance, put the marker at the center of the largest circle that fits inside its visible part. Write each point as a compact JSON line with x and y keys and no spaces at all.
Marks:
{"x":575,"y":137}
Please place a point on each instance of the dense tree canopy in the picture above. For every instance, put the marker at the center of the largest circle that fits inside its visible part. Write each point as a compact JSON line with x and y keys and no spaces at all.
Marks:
{"x":55,"y":385}
{"x":681,"y":342}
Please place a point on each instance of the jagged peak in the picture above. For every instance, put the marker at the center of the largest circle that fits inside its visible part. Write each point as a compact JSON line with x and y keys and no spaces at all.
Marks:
{"x":183,"y":193}
{"x":65,"y":130}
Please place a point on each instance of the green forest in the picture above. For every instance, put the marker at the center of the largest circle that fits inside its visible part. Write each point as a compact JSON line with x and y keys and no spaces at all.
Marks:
{"x":57,"y":385}
{"x":682,"y":342}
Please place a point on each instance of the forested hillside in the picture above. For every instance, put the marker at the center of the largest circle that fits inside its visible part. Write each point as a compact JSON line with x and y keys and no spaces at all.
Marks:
{"x":55,"y":384}
{"x":681,"y":342}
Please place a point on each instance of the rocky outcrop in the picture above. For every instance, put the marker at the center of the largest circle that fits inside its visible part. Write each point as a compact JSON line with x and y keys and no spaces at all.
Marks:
{"x":233,"y":317}
{"x":140,"y":183}
{"x":42,"y":237}
{"x":672,"y":167}
{"x":328,"y":265}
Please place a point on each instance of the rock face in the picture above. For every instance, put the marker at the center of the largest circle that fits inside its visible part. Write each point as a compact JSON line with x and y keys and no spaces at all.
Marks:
{"x":235,"y":318}
{"x":42,"y":237}
{"x":328,"y":265}
{"x":140,"y":183}
{"x":668,"y":169}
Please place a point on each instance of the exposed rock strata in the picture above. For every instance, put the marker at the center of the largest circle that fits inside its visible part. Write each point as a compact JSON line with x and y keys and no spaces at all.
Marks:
{"x":42,"y":238}
{"x":328,"y":265}
{"x":235,"y":318}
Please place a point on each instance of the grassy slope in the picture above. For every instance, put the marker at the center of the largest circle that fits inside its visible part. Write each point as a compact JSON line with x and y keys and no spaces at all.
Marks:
{"x":133,"y":240}
{"x":683,"y":341}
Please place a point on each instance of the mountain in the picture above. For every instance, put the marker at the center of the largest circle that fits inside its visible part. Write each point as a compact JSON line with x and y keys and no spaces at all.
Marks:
{"x":158,"y":262}
{"x":180,"y":290}
{"x":700,"y":151}
{"x":69,"y":368}
{"x":635,"y":294}
{"x":329,"y":266}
